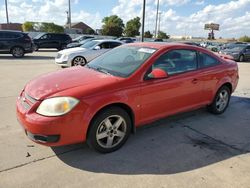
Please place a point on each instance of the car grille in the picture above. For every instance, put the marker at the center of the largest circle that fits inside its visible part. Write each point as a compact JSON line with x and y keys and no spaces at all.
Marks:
{"x":27,"y":101}
{"x":59,"y":56}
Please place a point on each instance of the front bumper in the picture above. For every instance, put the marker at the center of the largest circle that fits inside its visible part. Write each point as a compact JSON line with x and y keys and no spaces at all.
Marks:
{"x":62,"y":63}
{"x":51,"y":131}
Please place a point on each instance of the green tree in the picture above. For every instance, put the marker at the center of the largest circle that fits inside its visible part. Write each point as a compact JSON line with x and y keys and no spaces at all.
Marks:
{"x":89,"y":31}
{"x":162,"y":35}
{"x":147,"y":34}
{"x":133,"y":27}
{"x":28,"y":26}
{"x":244,"y":39}
{"x":113,"y":26}
{"x":51,"y":28}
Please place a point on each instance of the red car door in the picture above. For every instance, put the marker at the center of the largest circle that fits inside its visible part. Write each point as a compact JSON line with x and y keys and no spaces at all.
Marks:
{"x":179,"y":92}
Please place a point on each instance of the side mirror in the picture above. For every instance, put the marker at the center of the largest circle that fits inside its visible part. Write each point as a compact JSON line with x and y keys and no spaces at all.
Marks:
{"x":157,"y":74}
{"x":97,"y":48}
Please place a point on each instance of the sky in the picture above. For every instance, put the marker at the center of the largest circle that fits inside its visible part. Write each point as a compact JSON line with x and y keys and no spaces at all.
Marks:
{"x":178,"y":17}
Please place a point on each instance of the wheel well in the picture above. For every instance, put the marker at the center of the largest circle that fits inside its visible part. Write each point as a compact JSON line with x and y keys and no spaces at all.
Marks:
{"x":122,"y":106}
{"x":229,"y":85}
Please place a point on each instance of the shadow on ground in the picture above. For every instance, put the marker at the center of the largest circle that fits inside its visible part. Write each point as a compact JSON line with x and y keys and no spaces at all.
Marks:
{"x":178,"y":144}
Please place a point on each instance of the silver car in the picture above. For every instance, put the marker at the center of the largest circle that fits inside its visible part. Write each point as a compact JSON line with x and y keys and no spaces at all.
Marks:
{"x":85,"y":53}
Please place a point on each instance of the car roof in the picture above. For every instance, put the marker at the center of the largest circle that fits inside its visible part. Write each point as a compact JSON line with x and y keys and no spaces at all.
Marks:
{"x":159,"y":45}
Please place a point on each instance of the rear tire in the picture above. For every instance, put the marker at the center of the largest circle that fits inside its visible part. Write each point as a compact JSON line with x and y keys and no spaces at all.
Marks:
{"x":17,"y":52}
{"x":241,"y":58}
{"x":221,"y":101}
{"x":109,"y":130}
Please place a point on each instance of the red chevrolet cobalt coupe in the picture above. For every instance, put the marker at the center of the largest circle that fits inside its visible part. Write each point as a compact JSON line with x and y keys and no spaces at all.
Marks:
{"x":132,"y":85}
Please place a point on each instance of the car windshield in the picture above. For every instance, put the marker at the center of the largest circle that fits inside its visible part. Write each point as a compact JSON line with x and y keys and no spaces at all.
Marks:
{"x":39,"y":36}
{"x":122,"y":61}
{"x":85,"y":41}
{"x":90,"y":44}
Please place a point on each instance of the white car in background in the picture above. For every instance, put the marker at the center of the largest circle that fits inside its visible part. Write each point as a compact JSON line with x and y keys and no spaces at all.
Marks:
{"x":85,"y":53}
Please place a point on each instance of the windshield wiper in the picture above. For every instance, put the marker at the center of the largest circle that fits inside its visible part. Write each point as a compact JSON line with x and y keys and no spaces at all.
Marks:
{"x":103,"y":70}
{"x":99,"y":69}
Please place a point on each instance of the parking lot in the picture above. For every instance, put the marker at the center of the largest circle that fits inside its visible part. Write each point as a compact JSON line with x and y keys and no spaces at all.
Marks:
{"x":195,"y":149}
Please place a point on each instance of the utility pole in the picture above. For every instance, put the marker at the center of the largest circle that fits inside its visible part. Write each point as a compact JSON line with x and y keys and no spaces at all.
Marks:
{"x":69,"y":15}
{"x":156,"y":21}
{"x":143,"y":20}
{"x":6,"y":8}
{"x":159,"y":28}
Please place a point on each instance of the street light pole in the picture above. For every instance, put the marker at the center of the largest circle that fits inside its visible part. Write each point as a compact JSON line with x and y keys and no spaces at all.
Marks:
{"x":69,"y":15}
{"x":156,"y":21}
{"x":143,"y":20}
{"x":6,"y":8}
{"x":159,"y":28}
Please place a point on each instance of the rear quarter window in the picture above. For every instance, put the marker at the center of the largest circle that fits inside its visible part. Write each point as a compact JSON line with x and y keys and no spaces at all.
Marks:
{"x":206,"y":60}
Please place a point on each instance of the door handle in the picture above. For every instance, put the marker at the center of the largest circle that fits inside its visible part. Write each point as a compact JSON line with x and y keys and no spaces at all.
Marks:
{"x":195,"y":81}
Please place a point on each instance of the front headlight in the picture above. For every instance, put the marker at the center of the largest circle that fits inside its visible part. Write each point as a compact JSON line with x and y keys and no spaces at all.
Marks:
{"x":65,"y":58}
{"x":57,"y":106}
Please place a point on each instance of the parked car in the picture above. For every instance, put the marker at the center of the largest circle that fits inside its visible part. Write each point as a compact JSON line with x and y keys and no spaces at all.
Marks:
{"x":85,"y":53}
{"x":81,"y":38}
{"x":126,"y":39}
{"x":189,"y":43}
{"x":78,"y":44}
{"x":158,"y":40}
{"x":51,"y":40}
{"x":240,"y":52}
{"x":132,"y":85}
{"x":16,"y":43}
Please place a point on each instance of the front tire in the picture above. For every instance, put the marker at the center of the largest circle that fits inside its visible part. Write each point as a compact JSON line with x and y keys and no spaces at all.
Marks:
{"x":221,"y":101}
{"x":79,"y":60}
{"x":109,"y":130}
{"x":17,"y":52}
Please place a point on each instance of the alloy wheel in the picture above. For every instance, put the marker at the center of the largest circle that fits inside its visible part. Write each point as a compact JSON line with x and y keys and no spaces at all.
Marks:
{"x":222,"y":100}
{"x":79,"y":61}
{"x":111,"y":131}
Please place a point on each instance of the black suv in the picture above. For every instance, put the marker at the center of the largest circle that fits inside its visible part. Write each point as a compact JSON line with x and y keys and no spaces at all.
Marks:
{"x":15,"y":42}
{"x":51,"y":40}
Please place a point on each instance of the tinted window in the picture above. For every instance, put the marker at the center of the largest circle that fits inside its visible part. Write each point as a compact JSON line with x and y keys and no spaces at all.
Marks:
{"x":177,"y":61}
{"x":10,"y":35}
{"x":47,"y":36}
{"x":114,"y":44}
{"x":105,"y":45}
{"x":206,"y":60}
{"x":1,"y":35}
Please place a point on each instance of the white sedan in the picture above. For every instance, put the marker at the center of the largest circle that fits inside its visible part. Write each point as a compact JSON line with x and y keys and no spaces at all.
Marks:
{"x":85,"y":53}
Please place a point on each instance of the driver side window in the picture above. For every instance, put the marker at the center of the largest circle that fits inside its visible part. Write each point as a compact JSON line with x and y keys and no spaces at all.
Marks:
{"x":177,"y":61}
{"x":105,"y":45}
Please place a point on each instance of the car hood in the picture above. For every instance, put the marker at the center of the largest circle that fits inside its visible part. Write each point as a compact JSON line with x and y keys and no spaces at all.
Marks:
{"x":230,"y":51}
{"x":72,"y":78}
{"x":73,"y":50}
